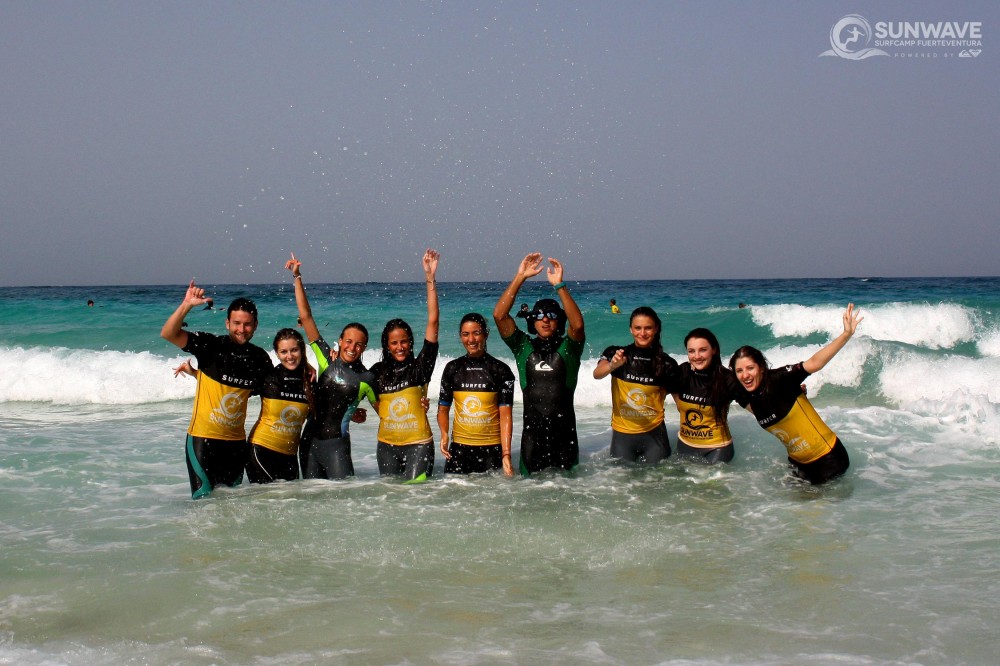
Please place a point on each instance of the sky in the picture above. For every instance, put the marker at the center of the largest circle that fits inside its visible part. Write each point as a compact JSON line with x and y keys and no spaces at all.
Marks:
{"x":156,"y":142}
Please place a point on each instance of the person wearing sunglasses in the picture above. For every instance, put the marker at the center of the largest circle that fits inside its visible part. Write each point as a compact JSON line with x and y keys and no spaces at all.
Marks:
{"x":548,"y":363}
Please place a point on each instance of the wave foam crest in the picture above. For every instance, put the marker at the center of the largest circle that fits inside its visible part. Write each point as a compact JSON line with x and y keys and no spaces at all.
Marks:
{"x":940,"y":326}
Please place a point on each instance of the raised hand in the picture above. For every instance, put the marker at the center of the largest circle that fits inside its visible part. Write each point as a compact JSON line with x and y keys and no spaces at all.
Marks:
{"x":554,"y":272}
{"x":294,"y":265}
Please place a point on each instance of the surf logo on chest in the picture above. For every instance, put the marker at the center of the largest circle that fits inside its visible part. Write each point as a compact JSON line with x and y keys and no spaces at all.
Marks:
{"x":229,"y":413}
{"x":471,"y":412}
{"x":399,"y":417}
{"x":637,"y":404}
{"x":290,"y":420}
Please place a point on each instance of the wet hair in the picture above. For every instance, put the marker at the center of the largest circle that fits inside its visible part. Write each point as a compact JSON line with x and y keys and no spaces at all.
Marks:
{"x":475,"y":318}
{"x":755,"y":355}
{"x":243,"y":305}
{"x":659,"y":362}
{"x":303,"y":369}
{"x":547,"y":305}
{"x":391,"y":326}
{"x":360,"y":327}
{"x":719,"y":397}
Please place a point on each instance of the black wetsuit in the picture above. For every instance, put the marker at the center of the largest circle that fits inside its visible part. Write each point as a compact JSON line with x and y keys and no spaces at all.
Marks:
{"x":638,"y":390}
{"x":548,"y":370}
{"x":325,"y":452}
{"x":216,"y":448}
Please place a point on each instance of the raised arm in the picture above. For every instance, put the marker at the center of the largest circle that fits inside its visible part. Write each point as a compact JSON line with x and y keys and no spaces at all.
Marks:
{"x":530,"y":266}
{"x":173,"y":331}
{"x":430,"y":261}
{"x":818,"y":360}
{"x":574,"y":318}
{"x":302,"y":301}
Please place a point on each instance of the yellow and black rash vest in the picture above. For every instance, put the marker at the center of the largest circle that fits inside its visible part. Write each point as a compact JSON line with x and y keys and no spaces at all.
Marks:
{"x":228,"y":374}
{"x":478,"y":386}
{"x":784,"y":411}
{"x":699,"y":427}
{"x":637,"y":391}
{"x":283,"y":409}
{"x":400,"y":386}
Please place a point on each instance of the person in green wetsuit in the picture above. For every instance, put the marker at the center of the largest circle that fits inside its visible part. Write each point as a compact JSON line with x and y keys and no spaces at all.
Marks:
{"x":342,"y":382}
{"x":548,"y":365}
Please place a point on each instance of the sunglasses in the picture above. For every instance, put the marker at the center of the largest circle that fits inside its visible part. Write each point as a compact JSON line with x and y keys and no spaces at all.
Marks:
{"x":543,"y":315}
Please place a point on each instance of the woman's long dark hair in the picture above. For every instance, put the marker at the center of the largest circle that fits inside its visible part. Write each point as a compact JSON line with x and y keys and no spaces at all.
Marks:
{"x":660,"y":358}
{"x":303,"y":369}
{"x":757,"y":356}
{"x":719,"y":397}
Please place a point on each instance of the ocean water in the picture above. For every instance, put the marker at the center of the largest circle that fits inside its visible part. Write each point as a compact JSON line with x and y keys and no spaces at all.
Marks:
{"x":105,"y":559}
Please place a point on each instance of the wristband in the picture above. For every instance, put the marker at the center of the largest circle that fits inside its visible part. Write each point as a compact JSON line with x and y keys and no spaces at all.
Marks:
{"x":558,"y":286}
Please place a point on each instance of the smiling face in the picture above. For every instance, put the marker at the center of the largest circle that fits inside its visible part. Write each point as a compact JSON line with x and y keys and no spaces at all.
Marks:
{"x":289,"y":353}
{"x":241,"y":326}
{"x":351,"y":345}
{"x":748,"y":372}
{"x":700,"y":353}
{"x":473,"y":338}
{"x":643,"y":330}
{"x":399,"y":344}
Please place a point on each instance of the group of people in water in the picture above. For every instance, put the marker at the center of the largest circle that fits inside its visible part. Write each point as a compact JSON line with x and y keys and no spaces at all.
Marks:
{"x":305,"y":417}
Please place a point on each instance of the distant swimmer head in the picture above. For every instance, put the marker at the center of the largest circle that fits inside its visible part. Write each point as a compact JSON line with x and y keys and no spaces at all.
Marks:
{"x":547,"y":318}
{"x":473,"y":332}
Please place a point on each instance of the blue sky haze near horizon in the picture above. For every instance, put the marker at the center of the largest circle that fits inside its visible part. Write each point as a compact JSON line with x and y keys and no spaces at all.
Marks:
{"x":149,"y":143}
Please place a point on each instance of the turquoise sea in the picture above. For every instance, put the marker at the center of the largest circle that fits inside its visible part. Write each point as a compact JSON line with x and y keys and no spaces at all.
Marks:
{"x":105,"y":559}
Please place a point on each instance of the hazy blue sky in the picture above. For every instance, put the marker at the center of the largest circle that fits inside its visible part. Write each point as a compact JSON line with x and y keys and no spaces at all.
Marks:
{"x":147,"y":142}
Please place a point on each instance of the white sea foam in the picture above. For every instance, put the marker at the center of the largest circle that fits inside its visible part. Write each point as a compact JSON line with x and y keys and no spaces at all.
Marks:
{"x":989,"y":343}
{"x":909,"y":377}
{"x":940,"y":326}
{"x":81,"y":376}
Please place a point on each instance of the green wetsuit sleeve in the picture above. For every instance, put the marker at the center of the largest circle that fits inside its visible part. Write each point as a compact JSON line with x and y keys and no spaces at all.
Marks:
{"x":321,"y":359}
{"x":366,"y":391}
